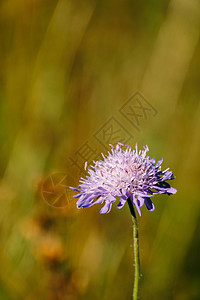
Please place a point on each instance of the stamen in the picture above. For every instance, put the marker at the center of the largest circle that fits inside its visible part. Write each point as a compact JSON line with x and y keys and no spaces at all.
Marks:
{"x":136,"y":148}
{"x":117,"y":147}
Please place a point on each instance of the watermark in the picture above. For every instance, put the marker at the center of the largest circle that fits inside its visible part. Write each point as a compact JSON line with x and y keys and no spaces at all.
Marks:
{"x":112,"y":132}
{"x":86,"y":152}
{"x":55,"y":190}
{"x":136,"y":110}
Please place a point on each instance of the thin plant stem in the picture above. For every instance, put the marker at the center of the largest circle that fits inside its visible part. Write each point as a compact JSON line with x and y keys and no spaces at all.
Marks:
{"x":136,"y":250}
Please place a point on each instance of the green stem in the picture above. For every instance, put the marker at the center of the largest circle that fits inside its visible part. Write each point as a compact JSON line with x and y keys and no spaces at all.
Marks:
{"x":136,"y":250}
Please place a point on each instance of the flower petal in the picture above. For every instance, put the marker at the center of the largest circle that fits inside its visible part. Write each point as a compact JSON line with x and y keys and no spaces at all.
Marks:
{"x":106,"y":208}
{"x":150,"y":206}
{"x":84,"y":200}
{"x":167,"y":176}
{"x":140,"y":200}
{"x":171,"y":190}
{"x":117,"y":193}
{"x":77,"y":195}
{"x":135,"y":202}
{"x":121,"y":202}
{"x":74,"y":189}
{"x":111,"y":198}
{"x":159,"y":162}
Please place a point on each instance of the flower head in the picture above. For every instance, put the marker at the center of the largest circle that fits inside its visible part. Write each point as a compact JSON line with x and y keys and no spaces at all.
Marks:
{"x":124,"y":173}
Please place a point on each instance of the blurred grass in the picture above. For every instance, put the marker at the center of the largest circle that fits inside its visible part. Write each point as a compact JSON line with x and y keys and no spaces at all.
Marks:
{"x":66,"y":67}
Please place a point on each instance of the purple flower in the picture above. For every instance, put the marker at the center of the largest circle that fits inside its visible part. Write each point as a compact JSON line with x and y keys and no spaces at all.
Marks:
{"x":124,"y":173}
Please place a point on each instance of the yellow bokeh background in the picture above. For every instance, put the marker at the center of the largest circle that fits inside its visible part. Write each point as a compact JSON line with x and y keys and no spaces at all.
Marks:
{"x":67,"y":68}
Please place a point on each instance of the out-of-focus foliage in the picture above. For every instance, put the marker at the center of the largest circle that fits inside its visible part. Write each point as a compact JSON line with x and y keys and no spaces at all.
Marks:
{"x":67,"y":67}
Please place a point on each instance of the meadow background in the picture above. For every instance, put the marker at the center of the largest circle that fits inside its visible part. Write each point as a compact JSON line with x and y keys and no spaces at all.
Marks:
{"x":67,"y":67}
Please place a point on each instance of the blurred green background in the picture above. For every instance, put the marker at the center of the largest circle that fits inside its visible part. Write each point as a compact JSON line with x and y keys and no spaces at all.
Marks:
{"x":67,"y":68}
